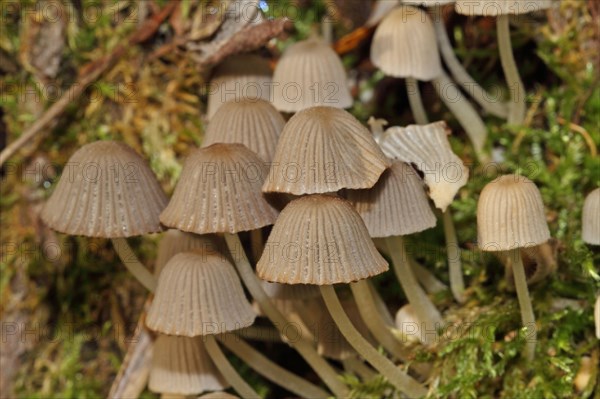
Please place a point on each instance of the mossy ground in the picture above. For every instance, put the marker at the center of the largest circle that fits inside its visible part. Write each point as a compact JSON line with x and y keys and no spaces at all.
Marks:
{"x":83,"y":305}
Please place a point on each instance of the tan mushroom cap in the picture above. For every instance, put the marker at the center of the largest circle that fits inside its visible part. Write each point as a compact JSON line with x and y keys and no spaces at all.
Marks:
{"x":405,"y":45}
{"x":253,"y":123}
{"x":493,"y":8}
{"x":408,"y":324}
{"x":220,"y":191}
{"x":428,"y":148}
{"x":239,"y":76}
{"x":106,"y":190}
{"x":397,"y":205}
{"x":181,"y":365}
{"x":175,"y":241}
{"x":591,"y":218}
{"x":321,"y":240}
{"x":510,"y":214}
{"x":322,"y":150}
{"x":199,"y":294}
{"x":308,"y":74}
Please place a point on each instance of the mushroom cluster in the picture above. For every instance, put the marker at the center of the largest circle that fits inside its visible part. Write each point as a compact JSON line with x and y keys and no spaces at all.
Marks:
{"x":337,"y":196}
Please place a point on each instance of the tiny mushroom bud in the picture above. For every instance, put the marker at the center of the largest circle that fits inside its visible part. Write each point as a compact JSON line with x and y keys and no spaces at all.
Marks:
{"x":591,"y":218}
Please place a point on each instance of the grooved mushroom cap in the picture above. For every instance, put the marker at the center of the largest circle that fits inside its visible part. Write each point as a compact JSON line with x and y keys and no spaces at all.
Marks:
{"x":493,"y":8}
{"x":310,"y":73}
{"x":427,"y":147}
{"x":324,"y":149}
{"x":199,"y":294}
{"x":510,"y":214}
{"x":175,"y":241}
{"x":239,"y":76}
{"x":397,"y":205}
{"x":254,"y":123}
{"x":106,"y":190}
{"x":181,"y":365}
{"x":591,"y":218}
{"x":219,"y":191}
{"x":404,"y":45}
{"x":321,"y":240}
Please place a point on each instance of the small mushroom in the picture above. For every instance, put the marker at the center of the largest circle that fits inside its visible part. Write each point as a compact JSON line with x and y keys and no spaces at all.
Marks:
{"x":397,"y":206}
{"x":591,"y":218}
{"x":322,"y":240}
{"x":239,"y":76}
{"x":309,"y":74}
{"x":108,"y":190}
{"x":181,"y":366}
{"x":322,"y":150}
{"x":253,"y":123}
{"x":510,"y":216}
{"x":502,"y":9}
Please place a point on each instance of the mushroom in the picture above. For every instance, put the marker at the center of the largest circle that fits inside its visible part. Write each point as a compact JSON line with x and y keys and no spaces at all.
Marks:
{"x":408,"y":324}
{"x":181,"y":366}
{"x":458,"y":72}
{"x":510,"y":216}
{"x":308,"y":74}
{"x":396,"y":206}
{"x":107,"y":190}
{"x":218,"y":395}
{"x":219,"y":192}
{"x":322,"y":240}
{"x":591,"y":218}
{"x":597,"y":316}
{"x":405,"y":46}
{"x":428,"y":148}
{"x":199,"y":293}
{"x":253,"y":123}
{"x":324,"y":149}
{"x":239,"y":76}
{"x":502,"y":9}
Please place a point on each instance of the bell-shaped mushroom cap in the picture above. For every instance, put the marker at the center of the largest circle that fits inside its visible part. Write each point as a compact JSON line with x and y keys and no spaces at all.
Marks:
{"x":591,"y":218}
{"x":510,"y":214}
{"x":321,"y":240}
{"x":404,"y":45}
{"x":199,"y":294}
{"x":175,"y":241}
{"x":494,"y":8}
{"x":239,"y":76}
{"x":219,"y":191}
{"x":290,"y":292}
{"x":428,"y":148}
{"x":106,"y":190}
{"x":308,"y":74}
{"x":254,"y":123}
{"x":181,"y":365}
{"x":322,"y":150}
{"x":397,"y":205}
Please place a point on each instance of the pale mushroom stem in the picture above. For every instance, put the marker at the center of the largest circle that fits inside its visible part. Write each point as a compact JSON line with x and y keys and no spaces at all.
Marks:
{"x":488,"y":102}
{"x":272,"y":371}
{"x":389,"y":370}
{"x":416,"y":102}
{"x":527,"y":316}
{"x":356,"y":366}
{"x":227,"y":370}
{"x":383,"y":309}
{"x":516,"y":109}
{"x":133,"y":264}
{"x":426,"y":278}
{"x":319,"y":365}
{"x":426,"y":311}
{"x":457,"y":283}
{"x":464,"y":113}
{"x":376,"y":324}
